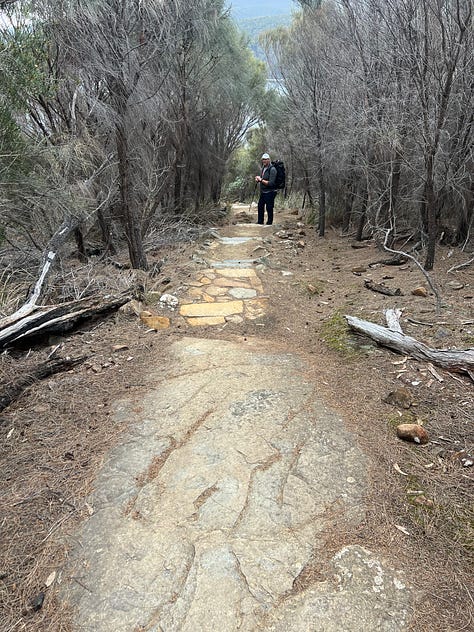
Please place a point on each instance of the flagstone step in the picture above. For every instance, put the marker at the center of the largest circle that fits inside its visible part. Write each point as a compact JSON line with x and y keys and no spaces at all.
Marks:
{"x":212,"y":309}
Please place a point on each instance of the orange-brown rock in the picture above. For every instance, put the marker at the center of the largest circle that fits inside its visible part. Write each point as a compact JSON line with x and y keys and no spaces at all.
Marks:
{"x":420,"y":291}
{"x":412,"y":432}
{"x":153,"y":321}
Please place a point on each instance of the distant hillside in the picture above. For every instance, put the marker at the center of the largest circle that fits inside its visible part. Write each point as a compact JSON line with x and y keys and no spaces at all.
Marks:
{"x":253,"y":27}
{"x":245,"y":9}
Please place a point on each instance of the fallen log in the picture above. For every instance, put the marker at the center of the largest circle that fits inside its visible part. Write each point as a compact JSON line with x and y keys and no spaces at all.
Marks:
{"x":60,"y":318}
{"x":15,"y":388}
{"x":381,"y":288}
{"x":458,"y":361}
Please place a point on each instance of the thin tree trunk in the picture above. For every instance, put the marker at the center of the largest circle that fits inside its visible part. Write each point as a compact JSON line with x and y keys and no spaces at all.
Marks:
{"x":81,"y":250}
{"x":430,"y":215}
{"x":128,"y":212}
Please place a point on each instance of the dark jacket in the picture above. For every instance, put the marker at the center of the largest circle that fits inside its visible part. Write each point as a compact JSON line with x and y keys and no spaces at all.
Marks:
{"x":268,"y":173}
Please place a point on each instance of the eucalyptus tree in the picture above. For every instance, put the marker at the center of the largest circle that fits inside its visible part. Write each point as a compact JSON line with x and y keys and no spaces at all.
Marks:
{"x":215,"y":89}
{"x":433,"y":47}
{"x":235,"y":100}
{"x":386,"y":87}
{"x":304,"y":56}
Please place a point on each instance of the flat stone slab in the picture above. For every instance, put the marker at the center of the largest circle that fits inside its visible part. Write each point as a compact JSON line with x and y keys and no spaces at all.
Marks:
{"x":206,"y":321}
{"x":238,"y":273}
{"x":232,"y":263}
{"x":219,"y":497}
{"x":212,"y":309}
{"x":242,"y":292}
{"x":237,"y":241}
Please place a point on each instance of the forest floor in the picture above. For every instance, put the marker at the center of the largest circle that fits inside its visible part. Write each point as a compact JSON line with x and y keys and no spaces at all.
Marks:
{"x":418,"y":511}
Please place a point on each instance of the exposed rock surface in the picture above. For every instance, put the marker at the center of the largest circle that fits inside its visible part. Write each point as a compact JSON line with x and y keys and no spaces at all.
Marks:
{"x":223,"y":493}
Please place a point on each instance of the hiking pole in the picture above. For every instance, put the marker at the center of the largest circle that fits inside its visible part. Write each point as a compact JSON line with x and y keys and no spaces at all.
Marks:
{"x":253,"y":195}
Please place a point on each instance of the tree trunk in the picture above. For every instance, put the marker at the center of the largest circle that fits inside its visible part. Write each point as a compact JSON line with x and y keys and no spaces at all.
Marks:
{"x":128,"y":212}
{"x":48,"y":259}
{"x":81,"y":251}
{"x":106,"y":231}
{"x":430,"y":215}
{"x":348,"y":204}
{"x":362,"y":217}
{"x":57,"y":318}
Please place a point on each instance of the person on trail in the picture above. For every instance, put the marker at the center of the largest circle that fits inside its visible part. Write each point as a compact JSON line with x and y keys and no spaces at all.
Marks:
{"x":268,"y":192}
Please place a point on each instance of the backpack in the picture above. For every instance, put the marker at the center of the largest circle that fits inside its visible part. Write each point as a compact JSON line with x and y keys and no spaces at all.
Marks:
{"x":280,"y":176}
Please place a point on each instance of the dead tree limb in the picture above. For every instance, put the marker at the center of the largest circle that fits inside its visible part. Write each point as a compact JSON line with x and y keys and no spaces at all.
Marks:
{"x":394,"y":261}
{"x":49,"y":256}
{"x":392,"y":316}
{"x":428,"y":277}
{"x":60,"y":318}
{"x":466,"y":264}
{"x":458,"y":361}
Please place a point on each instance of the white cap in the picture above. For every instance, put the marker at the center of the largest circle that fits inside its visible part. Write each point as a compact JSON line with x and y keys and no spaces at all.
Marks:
{"x":265,"y":157}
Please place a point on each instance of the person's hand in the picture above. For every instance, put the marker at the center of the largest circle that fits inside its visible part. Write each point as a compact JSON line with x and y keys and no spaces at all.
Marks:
{"x":258,"y":179}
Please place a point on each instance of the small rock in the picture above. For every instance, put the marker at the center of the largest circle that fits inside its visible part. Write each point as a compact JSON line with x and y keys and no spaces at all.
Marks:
{"x":168,"y":300}
{"x":423,"y":501}
{"x":420,"y":291}
{"x":463,"y":457}
{"x":234,"y":318}
{"x":152,"y":297}
{"x":116,"y":348}
{"x":50,"y":579}
{"x":401,"y":397}
{"x":412,"y":432}
{"x":300,"y":244}
{"x":359,"y":269}
{"x":132,"y":308}
{"x":37,"y":602}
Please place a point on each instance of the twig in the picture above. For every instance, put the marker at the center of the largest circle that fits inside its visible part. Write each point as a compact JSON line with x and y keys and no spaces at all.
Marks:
{"x":419,"y":266}
{"x":461,"y":265}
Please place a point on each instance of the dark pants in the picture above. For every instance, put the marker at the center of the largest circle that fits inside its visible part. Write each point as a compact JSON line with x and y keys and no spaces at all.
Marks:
{"x":267,"y":200}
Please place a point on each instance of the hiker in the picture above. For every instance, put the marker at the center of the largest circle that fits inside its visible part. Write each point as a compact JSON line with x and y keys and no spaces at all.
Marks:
{"x":268,"y":190}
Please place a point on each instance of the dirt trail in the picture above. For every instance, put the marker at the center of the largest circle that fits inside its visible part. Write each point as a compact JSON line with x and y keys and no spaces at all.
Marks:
{"x":215,"y":511}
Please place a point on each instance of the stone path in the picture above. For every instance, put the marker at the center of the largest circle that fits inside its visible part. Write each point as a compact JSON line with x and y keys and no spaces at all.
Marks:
{"x":217,"y":507}
{"x":230,"y":290}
